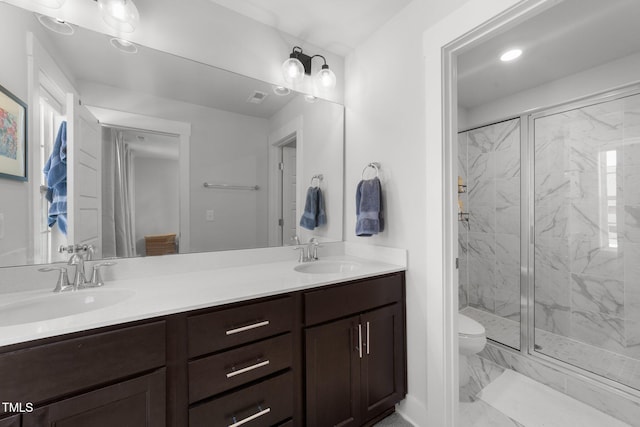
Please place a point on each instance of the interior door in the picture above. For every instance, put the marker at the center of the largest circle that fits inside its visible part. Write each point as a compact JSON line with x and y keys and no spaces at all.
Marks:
{"x":289,"y":220}
{"x":84,"y":199}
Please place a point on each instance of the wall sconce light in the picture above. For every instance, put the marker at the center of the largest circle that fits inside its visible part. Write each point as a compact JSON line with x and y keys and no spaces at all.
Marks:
{"x":299,"y":64}
{"x":121,"y":15}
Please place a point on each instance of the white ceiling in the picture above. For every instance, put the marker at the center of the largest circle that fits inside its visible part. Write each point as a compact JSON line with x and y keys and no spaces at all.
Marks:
{"x":573,"y":36}
{"x":334,"y":25}
{"x":88,"y":56}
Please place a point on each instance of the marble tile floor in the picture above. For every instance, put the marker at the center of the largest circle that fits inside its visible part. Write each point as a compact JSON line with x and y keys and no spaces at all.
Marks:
{"x":474,"y":412}
{"x":608,"y":364}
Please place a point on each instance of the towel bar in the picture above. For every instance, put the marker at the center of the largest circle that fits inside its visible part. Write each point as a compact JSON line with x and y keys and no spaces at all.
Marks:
{"x":231,"y":187}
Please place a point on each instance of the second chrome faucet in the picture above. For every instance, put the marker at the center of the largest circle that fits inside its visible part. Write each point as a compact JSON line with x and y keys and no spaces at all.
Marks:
{"x":308,"y":252}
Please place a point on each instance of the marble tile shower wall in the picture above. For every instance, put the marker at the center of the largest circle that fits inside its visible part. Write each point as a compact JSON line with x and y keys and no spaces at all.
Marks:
{"x":489,"y":243}
{"x":587,"y":224}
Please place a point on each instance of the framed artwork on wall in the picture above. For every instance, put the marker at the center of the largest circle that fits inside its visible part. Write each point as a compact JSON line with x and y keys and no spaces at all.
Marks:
{"x":13,"y":136}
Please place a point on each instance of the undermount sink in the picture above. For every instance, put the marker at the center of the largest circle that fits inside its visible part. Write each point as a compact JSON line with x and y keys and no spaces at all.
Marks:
{"x":327,"y":267}
{"x":63,"y":304}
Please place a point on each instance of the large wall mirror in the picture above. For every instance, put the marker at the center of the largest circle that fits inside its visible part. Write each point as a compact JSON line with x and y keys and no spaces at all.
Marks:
{"x":163,"y":154}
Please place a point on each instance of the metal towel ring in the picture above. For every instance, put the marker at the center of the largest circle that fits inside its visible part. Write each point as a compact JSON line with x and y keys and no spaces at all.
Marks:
{"x":318,"y":177}
{"x":374,"y":165}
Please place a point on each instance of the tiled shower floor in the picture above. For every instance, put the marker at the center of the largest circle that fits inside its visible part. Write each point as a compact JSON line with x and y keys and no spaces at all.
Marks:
{"x":617,"y":367}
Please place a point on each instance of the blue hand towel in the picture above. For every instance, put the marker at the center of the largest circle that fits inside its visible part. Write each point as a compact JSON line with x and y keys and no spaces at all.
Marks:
{"x":55,"y":175}
{"x":309,"y":218}
{"x":369,"y":213}
{"x":321,"y":216}
{"x":314,"y":214}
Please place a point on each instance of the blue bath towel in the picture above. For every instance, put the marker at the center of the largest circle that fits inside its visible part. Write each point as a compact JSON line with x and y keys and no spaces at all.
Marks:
{"x":369,"y":213}
{"x":314,"y":214}
{"x":55,"y":175}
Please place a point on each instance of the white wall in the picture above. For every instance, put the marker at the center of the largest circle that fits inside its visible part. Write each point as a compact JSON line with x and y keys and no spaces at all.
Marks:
{"x":385,"y":116}
{"x":204,"y":31}
{"x":14,"y":195}
{"x":157,"y":203}
{"x":225,"y":148}
{"x":604,"y":77}
{"x":321,"y":150}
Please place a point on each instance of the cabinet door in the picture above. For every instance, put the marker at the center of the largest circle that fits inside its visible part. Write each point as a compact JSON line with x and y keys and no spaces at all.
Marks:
{"x":333,"y":374}
{"x":13,"y":421}
{"x":135,"y":403}
{"x":383,"y":360}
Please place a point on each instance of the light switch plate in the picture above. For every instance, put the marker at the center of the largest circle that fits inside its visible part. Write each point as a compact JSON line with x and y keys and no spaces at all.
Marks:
{"x":210,"y":215}
{"x":1,"y":226}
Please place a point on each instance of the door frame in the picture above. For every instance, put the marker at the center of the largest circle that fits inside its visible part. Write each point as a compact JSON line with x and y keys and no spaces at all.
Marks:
{"x":182,"y":130}
{"x":467,"y":26}
{"x":277,"y":139}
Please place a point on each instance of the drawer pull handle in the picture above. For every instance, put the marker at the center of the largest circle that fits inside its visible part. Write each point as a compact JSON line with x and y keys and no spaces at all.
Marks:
{"x":251,"y":418}
{"x":248,"y":327}
{"x":247,"y":369}
{"x":368,"y":345}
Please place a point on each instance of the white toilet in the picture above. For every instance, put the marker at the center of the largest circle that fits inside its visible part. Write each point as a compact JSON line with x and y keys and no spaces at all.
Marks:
{"x":471,"y":340}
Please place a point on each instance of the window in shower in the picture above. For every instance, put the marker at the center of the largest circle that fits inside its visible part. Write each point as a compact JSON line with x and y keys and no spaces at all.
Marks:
{"x":489,"y":242}
{"x":587,"y":237}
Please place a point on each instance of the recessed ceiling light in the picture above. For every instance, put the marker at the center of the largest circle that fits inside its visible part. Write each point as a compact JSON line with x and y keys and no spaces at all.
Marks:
{"x":123,"y":45}
{"x":310,"y":99}
{"x":281,"y":90}
{"x":56,"y":25}
{"x":510,"y":55}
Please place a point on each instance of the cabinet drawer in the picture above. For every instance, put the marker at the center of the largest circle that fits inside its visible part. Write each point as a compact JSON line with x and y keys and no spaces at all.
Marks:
{"x":341,"y":301}
{"x":266,"y":404}
{"x":227,"y":328}
{"x":224,"y":371}
{"x":48,"y":371}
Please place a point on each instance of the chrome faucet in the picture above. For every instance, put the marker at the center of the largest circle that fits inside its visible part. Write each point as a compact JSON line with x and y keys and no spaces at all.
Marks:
{"x":79,"y":279}
{"x":312,"y":249}
{"x":79,"y":254}
{"x":308,"y":252}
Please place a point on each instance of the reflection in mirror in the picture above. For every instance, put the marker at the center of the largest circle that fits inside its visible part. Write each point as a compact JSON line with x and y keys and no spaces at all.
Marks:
{"x":145,"y":131}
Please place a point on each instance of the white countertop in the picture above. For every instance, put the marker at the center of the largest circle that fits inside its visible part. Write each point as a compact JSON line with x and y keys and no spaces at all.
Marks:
{"x":174,"y":293}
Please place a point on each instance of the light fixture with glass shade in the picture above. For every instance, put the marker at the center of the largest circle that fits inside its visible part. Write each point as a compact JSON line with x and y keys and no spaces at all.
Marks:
{"x":298,"y":64}
{"x":121,"y":15}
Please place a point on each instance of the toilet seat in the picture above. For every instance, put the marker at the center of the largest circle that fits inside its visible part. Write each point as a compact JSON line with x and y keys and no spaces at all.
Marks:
{"x":467,"y":327}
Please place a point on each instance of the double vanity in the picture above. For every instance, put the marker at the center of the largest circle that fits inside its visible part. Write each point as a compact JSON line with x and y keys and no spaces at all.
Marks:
{"x":257,"y":344}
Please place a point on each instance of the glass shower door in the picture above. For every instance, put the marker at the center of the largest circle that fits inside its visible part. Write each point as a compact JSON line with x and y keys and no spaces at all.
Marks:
{"x":586,"y":198}
{"x":489,"y":228}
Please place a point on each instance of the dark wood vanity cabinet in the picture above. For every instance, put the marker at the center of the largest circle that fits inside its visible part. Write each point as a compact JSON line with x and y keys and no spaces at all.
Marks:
{"x":355,"y":365}
{"x":132,"y":403}
{"x":240,"y":370}
{"x":13,"y":421}
{"x":94,"y":378}
{"x":331,"y":356}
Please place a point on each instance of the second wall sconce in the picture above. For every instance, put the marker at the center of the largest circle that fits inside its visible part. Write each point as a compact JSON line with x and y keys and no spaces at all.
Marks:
{"x":121,"y":15}
{"x":299,"y":64}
